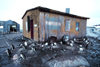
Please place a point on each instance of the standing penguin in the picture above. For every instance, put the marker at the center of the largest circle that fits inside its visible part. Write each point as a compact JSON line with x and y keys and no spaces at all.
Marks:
{"x":25,"y":43}
{"x":81,"y":49}
{"x":12,"y":47}
{"x":22,"y":56}
{"x":8,"y":52}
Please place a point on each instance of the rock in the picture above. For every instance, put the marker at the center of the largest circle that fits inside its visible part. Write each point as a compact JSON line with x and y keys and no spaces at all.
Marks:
{"x":20,"y":50}
{"x":68,"y":61}
{"x":70,"y":48}
{"x":31,"y":51}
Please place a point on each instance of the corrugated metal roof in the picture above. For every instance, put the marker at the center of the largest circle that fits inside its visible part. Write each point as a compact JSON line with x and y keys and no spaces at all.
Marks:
{"x":43,"y":9}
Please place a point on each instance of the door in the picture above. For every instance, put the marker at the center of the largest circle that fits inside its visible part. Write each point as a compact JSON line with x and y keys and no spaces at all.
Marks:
{"x":32,"y":29}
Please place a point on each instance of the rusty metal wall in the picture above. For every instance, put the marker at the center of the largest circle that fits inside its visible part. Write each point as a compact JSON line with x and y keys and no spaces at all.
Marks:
{"x":42,"y":27}
{"x":49,"y":24}
{"x":54,"y":25}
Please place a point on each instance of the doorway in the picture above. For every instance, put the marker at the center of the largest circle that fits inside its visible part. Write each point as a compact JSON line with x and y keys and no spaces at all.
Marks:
{"x":32,"y":29}
{"x":13,"y":28}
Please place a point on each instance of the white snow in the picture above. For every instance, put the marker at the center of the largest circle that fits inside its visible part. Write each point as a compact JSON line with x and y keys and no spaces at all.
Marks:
{"x":93,"y":32}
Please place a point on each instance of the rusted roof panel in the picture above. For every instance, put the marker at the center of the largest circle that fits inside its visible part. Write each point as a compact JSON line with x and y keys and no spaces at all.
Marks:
{"x":43,"y":9}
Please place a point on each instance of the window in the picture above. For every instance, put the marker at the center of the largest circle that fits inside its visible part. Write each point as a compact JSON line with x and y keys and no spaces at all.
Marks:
{"x":77,"y":26}
{"x":53,"y":23}
{"x":28,"y":24}
{"x":67,"y":25}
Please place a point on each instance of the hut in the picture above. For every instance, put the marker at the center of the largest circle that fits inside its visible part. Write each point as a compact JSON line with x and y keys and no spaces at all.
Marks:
{"x":40,"y":23}
{"x":9,"y":26}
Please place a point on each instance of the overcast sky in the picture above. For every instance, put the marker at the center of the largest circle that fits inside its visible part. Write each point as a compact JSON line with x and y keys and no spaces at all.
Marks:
{"x":14,"y":9}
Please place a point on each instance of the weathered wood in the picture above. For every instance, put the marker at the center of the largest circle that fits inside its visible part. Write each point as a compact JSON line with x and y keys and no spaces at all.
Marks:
{"x":49,"y":24}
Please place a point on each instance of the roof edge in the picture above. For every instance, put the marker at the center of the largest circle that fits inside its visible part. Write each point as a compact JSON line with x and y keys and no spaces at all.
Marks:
{"x":43,"y":9}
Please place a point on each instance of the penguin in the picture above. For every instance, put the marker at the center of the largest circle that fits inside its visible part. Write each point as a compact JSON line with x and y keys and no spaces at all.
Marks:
{"x":61,"y":42}
{"x":22,"y":56}
{"x":25,"y":43}
{"x":55,"y":43}
{"x":46,"y":44}
{"x":8,"y":51}
{"x":81,"y":49}
{"x":74,"y":39}
{"x":71,"y":44}
{"x":12,"y":47}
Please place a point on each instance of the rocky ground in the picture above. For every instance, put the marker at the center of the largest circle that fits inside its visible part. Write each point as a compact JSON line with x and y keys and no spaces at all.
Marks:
{"x":16,"y":51}
{"x":93,"y":52}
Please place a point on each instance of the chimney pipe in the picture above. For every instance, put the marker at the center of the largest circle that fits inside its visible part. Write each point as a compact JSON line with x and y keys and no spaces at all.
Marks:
{"x":67,"y":10}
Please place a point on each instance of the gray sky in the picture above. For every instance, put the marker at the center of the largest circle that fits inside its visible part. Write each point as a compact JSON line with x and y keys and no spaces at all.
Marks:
{"x":14,"y":9}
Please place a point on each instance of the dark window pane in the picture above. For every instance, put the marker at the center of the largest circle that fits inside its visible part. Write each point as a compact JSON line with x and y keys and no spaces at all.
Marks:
{"x":77,"y":26}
